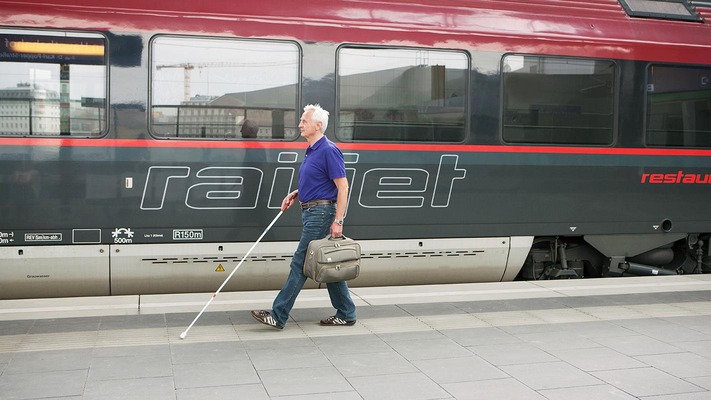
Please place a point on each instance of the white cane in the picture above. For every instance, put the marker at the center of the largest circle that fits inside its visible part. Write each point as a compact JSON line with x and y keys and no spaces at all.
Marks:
{"x":185,"y":333}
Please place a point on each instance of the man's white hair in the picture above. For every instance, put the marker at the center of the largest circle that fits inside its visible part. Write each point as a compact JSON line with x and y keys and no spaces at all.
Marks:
{"x":319,"y":115}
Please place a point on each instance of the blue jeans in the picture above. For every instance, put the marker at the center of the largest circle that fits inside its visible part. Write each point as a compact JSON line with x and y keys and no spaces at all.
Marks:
{"x":316,"y":222}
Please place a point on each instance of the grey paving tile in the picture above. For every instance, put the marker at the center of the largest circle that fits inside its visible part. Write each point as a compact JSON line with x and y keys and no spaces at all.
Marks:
{"x":550,"y":375}
{"x":462,"y":369}
{"x":111,"y":368}
{"x":413,"y":386}
{"x":131,"y":389}
{"x":558,"y":340}
{"x":682,"y":365}
{"x":426,"y":309}
{"x":652,"y":298}
{"x":646,"y":382}
{"x":355,"y":344}
{"x":42,"y":385}
{"x":368,"y":364}
{"x":132,"y":351}
{"x":64,"y":398}
{"x":596,"y":359}
{"x":684,"y":396}
{"x":703,"y":381}
{"x":486,"y":306}
{"x":700,"y":323}
{"x":497,"y":389}
{"x":510,"y":305}
{"x":298,"y":357}
{"x":387,"y":311}
{"x":222,"y":373}
{"x":597,"y":329}
{"x":323,"y":396}
{"x":413,"y":335}
{"x":534,"y":328}
{"x":686,"y":296}
{"x":19,"y":327}
{"x":664,"y":330}
{"x":587,"y":301}
{"x":182,"y":320}
{"x":510,"y":354}
{"x":545,"y":303}
{"x":288,"y":343}
{"x":45,"y":361}
{"x":597,"y":392}
{"x":480,"y":336}
{"x":57,"y":325}
{"x":636,"y":345}
{"x":430,"y":349}
{"x":593,"y":329}
{"x":193,"y":353}
{"x":303,"y":381}
{"x":132,"y":321}
{"x":247,"y":392}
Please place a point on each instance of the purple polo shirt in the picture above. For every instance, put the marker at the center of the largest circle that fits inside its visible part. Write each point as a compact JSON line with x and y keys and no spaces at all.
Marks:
{"x":322,"y":164}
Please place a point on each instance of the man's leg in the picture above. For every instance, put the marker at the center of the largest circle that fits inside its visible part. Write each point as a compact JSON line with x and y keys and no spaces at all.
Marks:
{"x":341,"y":300}
{"x":286,"y":298}
{"x":317,"y":223}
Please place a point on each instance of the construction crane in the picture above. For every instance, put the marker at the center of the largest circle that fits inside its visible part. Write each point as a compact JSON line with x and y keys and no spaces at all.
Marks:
{"x":187,"y":67}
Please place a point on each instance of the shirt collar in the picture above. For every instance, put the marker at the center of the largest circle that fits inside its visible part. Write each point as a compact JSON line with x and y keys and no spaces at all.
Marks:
{"x":318,"y":143}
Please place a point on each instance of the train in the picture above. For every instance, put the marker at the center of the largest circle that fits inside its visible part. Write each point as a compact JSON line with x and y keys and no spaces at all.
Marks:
{"x":145,"y":146}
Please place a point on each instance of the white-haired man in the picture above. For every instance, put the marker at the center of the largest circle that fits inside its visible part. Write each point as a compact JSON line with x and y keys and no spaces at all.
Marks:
{"x":322,"y":194}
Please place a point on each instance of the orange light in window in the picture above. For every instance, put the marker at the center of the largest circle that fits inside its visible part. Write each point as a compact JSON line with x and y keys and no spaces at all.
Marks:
{"x":66,"y":49}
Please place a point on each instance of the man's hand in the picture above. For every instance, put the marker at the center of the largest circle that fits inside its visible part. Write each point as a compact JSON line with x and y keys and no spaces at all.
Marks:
{"x":289,"y":200}
{"x":336,"y":230}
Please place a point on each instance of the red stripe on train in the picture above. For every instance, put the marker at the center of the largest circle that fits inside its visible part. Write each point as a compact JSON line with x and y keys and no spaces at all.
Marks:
{"x":421,"y":147}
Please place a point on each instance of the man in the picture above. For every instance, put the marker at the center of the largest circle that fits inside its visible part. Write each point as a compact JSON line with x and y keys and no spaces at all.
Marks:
{"x":322,"y":194}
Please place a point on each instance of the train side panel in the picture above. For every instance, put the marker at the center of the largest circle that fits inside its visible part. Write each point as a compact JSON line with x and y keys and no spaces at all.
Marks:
{"x":531,"y":150}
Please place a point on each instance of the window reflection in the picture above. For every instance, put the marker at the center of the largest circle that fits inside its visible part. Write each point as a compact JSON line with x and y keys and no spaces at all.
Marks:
{"x":209,"y":88}
{"x":553,"y":100}
{"x":401,"y":94}
{"x":679,"y":106}
{"x":52,"y":83}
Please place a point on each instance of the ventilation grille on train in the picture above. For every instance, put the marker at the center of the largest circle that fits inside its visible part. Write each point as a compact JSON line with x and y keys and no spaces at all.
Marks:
{"x":378,"y":255}
{"x":199,"y":260}
{"x":421,"y":254}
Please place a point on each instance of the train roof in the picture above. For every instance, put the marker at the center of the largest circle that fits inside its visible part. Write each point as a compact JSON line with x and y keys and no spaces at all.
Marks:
{"x":380,"y":10}
{"x":601,"y":28}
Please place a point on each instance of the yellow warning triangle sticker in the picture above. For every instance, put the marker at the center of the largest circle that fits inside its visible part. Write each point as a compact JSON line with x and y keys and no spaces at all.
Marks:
{"x":220,"y":268}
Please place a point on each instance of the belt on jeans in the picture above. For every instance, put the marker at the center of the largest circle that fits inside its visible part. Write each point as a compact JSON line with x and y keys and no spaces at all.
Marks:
{"x":313,"y":203}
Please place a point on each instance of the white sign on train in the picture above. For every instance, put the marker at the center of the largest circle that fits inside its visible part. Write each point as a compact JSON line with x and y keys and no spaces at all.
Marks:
{"x":233,"y":188}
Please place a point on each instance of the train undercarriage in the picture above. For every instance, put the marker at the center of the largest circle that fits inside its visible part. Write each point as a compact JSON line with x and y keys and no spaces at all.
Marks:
{"x":594,"y":256}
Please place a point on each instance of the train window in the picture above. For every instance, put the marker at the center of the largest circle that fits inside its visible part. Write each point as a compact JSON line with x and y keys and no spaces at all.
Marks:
{"x":218,"y":88}
{"x":554,"y":100}
{"x":678,"y":106}
{"x":52,"y":83}
{"x":401,"y":95}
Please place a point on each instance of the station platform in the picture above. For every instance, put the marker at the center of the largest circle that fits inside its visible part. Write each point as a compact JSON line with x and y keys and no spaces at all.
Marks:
{"x":613,"y":338}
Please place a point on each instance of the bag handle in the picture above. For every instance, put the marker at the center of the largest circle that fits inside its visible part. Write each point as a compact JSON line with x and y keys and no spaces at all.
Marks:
{"x":330,"y":237}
